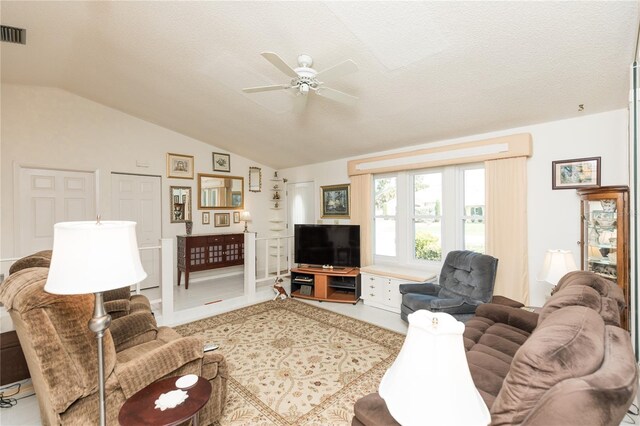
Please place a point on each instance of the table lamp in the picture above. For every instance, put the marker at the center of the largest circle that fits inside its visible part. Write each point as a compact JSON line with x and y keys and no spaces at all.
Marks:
{"x":246,"y":216}
{"x":93,"y":257}
{"x":430,"y":382}
{"x":556,"y":265}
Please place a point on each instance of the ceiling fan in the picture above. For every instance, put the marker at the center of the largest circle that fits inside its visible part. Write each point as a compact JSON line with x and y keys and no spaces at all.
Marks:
{"x":305,"y":79}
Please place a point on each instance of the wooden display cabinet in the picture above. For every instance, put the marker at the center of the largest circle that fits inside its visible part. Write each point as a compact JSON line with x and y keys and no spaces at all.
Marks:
{"x":339,"y":285}
{"x":604,"y":236}
{"x":208,"y":251}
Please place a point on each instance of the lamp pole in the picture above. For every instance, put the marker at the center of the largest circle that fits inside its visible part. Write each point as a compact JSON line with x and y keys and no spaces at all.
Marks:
{"x":98,"y":324}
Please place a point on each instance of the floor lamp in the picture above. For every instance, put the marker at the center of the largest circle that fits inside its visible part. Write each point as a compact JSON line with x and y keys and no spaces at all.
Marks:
{"x":94,"y":257}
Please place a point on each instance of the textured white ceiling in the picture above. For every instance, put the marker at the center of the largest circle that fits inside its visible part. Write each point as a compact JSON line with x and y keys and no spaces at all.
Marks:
{"x":428,"y":70}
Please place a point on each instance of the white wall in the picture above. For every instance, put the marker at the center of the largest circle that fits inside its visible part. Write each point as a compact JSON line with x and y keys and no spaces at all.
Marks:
{"x":51,"y":128}
{"x":553,"y":215}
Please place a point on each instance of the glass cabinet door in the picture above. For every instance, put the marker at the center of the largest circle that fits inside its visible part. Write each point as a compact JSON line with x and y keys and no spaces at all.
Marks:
{"x":601,"y":232}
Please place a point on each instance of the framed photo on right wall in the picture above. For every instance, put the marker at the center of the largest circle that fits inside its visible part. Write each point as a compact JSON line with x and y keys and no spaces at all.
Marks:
{"x":336,"y":201}
{"x":576,"y":173}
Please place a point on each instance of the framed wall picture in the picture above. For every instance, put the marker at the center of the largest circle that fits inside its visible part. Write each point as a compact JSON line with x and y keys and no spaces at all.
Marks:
{"x":236,"y":217}
{"x":206,"y":218}
{"x":221,"y":162}
{"x":221,"y":219}
{"x":335,"y":201}
{"x":179,"y":166}
{"x":576,"y":173}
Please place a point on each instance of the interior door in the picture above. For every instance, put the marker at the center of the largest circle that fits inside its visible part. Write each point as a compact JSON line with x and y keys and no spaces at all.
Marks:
{"x":138,"y":198}
{"x":301,"y":203}
{"x":47,"y":196}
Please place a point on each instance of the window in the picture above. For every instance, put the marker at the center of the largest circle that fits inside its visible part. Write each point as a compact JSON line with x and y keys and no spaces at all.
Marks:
{"x":422,"y":215}
{"x":427,"y":216}
{"x":473,"y":218}
{"x":385,"y":203}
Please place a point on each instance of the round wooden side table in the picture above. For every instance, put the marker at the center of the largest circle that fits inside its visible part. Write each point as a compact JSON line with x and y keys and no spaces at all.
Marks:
{"x":140,"y":408}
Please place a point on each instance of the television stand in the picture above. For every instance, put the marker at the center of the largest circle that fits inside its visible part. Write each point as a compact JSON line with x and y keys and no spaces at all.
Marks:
{"x":334,"y":270}
{"x":316,"y":283}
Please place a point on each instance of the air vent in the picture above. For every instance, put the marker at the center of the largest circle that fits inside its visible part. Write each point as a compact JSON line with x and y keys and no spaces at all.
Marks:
{"x":14,"y":35}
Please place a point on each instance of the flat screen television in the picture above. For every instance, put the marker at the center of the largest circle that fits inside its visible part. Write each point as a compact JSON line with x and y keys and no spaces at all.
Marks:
{"x":335,"y":245}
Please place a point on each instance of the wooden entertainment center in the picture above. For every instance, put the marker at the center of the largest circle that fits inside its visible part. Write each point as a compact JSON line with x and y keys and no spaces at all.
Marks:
{"x":332,"y":285}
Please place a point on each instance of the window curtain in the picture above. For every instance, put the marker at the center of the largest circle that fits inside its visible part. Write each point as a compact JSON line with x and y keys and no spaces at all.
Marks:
{"x":506,"y":232}
{"x":361,"y":214}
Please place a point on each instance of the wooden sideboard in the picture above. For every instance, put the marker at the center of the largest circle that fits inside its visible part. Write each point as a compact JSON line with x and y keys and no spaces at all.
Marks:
{"x":208,"y":251}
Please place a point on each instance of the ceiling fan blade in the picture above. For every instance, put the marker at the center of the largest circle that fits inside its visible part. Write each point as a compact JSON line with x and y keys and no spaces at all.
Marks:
{"x":265,"y":88}
{"x":300,"y":102}
{"x":343,"y":68}
{"x":337,"y":95}
{"x":279,"y":63}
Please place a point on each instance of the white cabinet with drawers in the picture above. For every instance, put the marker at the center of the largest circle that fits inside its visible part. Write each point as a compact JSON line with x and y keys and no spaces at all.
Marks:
{"x":381,"y":285}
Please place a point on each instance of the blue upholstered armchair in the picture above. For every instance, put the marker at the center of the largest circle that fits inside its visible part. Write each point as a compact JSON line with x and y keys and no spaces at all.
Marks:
{"x":466,"y":281}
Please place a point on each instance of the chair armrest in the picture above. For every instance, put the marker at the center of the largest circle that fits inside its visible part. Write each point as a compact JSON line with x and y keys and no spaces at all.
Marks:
{"x":431,"y":289}
{"x":442,"y":304}
{"x":515,"y":317}
{"x":117,"y":308}
{"x":502,"y":300}
{"x":133,"y":329}
{"x":184,"y":354}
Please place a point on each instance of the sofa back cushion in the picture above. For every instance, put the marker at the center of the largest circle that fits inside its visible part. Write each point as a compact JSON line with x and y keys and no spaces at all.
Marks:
{"x":468,"y":275}
{"x":57,"y":333}
{"x":581,"y":295}
{"x":41,"y":259}
{"x":568,"y":344}
{"x":607,"y":289}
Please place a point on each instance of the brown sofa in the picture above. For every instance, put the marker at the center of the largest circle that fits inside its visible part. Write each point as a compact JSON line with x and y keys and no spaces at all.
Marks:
{"x":571,"y":364}
{"x":61,"y":353}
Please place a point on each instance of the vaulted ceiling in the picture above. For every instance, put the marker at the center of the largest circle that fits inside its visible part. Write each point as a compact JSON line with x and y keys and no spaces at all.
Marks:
{"x":427,"y":70}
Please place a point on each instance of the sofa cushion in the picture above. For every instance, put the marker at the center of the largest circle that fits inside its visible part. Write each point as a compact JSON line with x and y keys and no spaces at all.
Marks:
{"x":609,"y":290}
{"x":602,"y":397}
{"x":568,"y":344}
{"x":41,"y":259}
{"x":582,"y":295}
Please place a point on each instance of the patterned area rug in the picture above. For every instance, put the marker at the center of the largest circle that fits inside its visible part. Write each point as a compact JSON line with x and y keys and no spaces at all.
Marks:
{"x":292,"y":363}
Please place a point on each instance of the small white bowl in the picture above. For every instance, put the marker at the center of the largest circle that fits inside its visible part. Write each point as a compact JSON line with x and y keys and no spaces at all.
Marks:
{"x":187,"y":381}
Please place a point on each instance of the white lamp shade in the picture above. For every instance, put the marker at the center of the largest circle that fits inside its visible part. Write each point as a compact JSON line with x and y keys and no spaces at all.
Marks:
{"x":556,"y":265}
{"x":246,"y":216}
{"x":90,"y":257}
{"x":430,"y":382}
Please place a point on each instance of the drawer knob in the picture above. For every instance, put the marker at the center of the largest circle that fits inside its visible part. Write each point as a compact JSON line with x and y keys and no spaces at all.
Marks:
{"x":371,"y":294}
{"x":371,"y":278}
{"x":372,"y":286}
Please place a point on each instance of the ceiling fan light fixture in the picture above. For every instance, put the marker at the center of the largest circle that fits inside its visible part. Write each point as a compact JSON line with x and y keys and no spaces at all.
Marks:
{"x":304,"y":79}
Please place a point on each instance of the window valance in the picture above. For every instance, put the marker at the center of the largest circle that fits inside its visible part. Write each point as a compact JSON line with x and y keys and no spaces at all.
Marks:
{"x":518,"y":145}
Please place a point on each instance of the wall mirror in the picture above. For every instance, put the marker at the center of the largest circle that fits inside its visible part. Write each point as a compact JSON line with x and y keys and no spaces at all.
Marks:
{"x":180,"y":199}
{"x":255,"y":179}
{"x":220,"y":192}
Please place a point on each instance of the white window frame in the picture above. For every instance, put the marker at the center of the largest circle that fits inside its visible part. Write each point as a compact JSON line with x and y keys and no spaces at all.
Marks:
{"x":452,"y":215}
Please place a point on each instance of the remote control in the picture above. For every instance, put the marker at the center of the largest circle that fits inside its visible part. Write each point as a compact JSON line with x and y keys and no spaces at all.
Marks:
{"x":210,"y":347}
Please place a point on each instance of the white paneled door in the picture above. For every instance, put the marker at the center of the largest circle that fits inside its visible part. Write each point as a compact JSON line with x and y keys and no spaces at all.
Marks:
{"x":137,"y":198}
{"x":46,"y":197}
{"x":301,"y":204}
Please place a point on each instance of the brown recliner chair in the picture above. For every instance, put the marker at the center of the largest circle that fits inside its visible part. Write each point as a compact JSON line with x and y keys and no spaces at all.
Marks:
{"x":117,"y":303}
{"x":61,"y":353}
